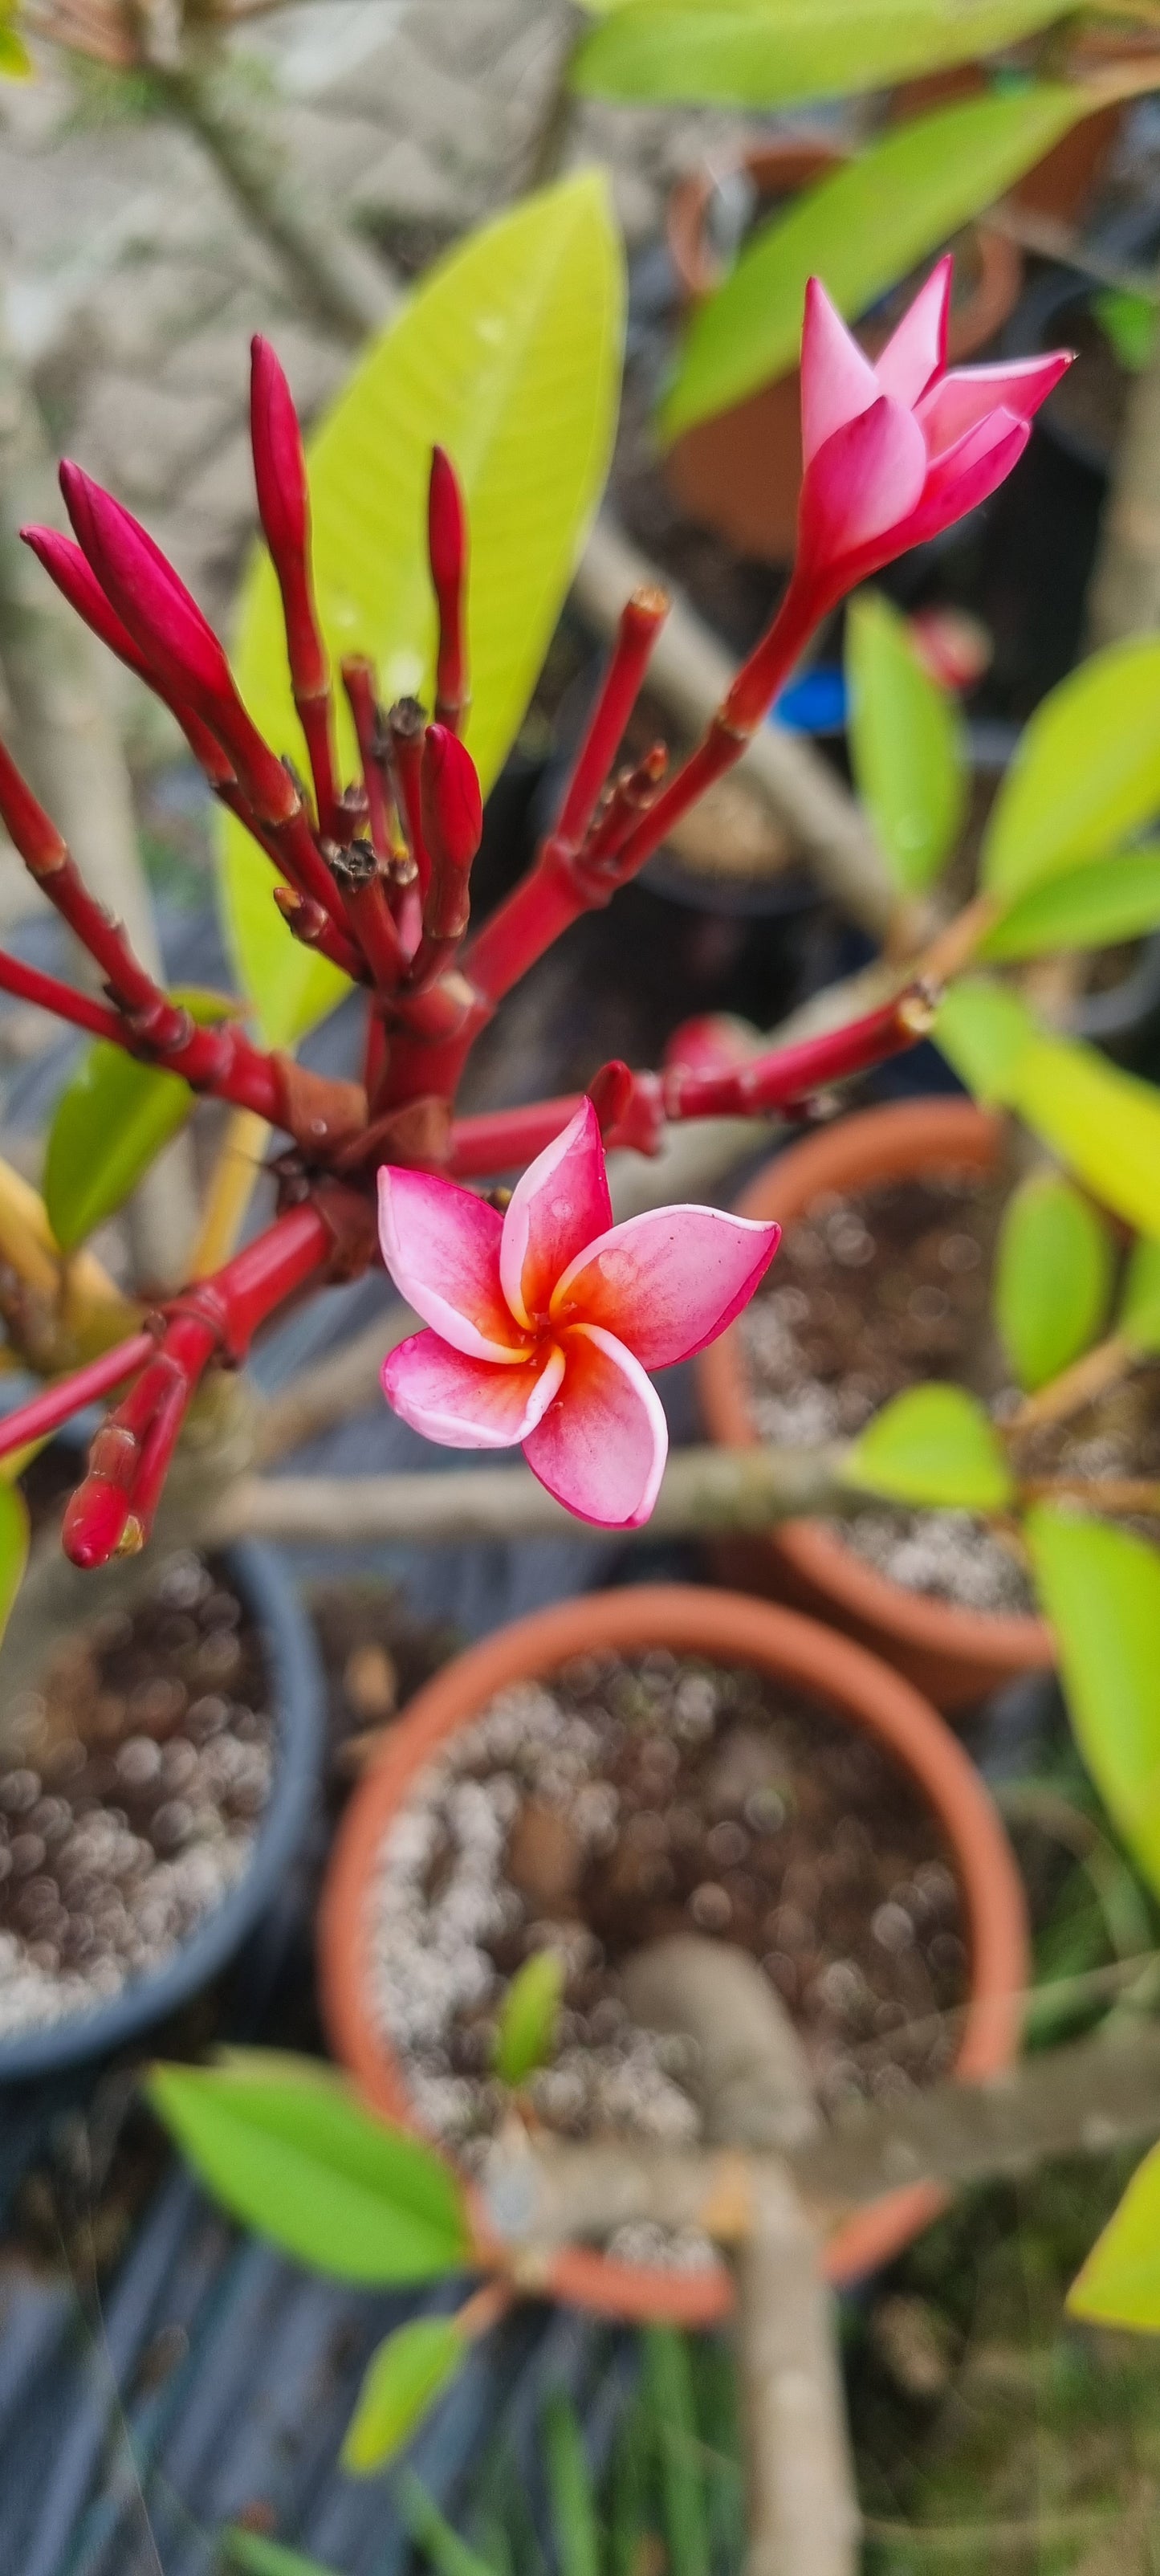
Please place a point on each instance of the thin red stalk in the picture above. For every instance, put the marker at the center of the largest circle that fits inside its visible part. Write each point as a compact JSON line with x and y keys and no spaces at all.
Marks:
{"x":45,"y":1413}
{"x":303,"y":863}
{"x":27,"y":984}
{"x":307,"y":921}
{"x":641,"y":620}
{"x":314,"y":716}
{"x":742,"y":710}
{"x":631,"y":795}
{"x":406,"y":729}
{"x":502,"y":1140}
{"x":447,"y":549}
{"x":358,"y":679}
{"x":369,"y":917}
{"x":788,"y":1074}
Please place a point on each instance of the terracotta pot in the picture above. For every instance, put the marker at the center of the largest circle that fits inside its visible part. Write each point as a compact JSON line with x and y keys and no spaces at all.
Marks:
{"x":727,"y":1627}
{"x":955,"y":1655}
{"x":740,"y":472}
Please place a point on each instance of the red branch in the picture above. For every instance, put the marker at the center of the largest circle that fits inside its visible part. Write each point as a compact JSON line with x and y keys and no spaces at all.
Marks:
{"x":45,"y":1413}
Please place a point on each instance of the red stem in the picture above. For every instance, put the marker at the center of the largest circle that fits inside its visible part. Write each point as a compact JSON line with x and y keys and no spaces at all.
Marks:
{"x":369,"y":917}
{"x":45,"y":1413}
{"x":358,"y":679}
{"x":447,"y":548}
{"x":306,"y":920}
{"x":406,"y":727}
{"x":788,"y":1074}
{"x":314,"y":717}
{"x":27,"y":984}
{"x":641,"y":620}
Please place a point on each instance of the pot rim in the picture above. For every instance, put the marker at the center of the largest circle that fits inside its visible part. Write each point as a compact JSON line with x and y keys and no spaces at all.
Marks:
{"x":729,"y":1627}
{"x":873,"y":1144}
{"x":268,"y":1591}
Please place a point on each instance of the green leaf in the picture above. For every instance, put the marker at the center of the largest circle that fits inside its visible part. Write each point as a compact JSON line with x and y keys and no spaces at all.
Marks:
{"x":1130,"y":324}
{"x":1100,"y":1588}
{"x":508,"y":354}
{"x":1053,"y":1277}
{"x":1104,"y":1124}
{"x":906,"y":743}
{"x":403,"y":2378}
{"x":860,"y":231}
{"x":1086,"y":774}
{"x":1139,"y":1317}
{"x":449,"y":2555}
{"x":526,"y":2037}
{"x":983,"y":1030}
{"x":14,"y":1537}
{"x":301,"y":2161}
{"x":1119,"y":2284}
{"x":767,"y":53}
{"x":1086,"y":907}
{"x":110,"y":1123}
{"x":668,"y":2380}
{"x":16,"y":62}
{"x":933,"y":1445}
{"x":575,"y":2524}
{"x":259,"y":2557}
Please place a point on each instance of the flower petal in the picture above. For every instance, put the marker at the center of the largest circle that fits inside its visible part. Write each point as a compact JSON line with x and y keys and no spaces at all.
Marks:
{"x":602,"y":1445}
{"x":468,"y":1403}
{"x":559,"y":1204}
{"x":971,"y":394}
{"x":917,"y":350}
{"x":441,"y":1246}
{"x":967,"y":474}
{"x":866,"y":478}
{"x":838,"y":381}
{"x":667,"y":1282}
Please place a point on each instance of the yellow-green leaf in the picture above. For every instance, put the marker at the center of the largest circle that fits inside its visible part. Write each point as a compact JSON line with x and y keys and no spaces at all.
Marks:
{"x":409,"y":2370}
{"x":1100,"y":1588}
{"x":110,"y":1123}
{"x":526,"y":2035}
{"x":16,"y":62}
{"x":906,"y":743}
{"x":13,"y":1547}
{"x":934,"y":1446}
{"x":1139,"y":1316}
{"x":983,"y":1029}
{"x":860,"y":231}
{"x":1120,"y":2281}
{"x":1086,"y":907}
{"x":432,"y":2533}
{"x":769,"y":53}
{"x":1086,"y":774}
{"x":1053,"y":1277}
{"x":297,"y":2158}
{"x":257,"y":2556}
{"x":1104,"y":1124}
{"x":508,"y":354}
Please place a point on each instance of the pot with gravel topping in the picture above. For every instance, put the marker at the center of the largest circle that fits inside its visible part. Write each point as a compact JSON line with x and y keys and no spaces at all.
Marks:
{"x":881,"y":1280}
{"x":164,"y":1777}
{"x":643,"y":1762}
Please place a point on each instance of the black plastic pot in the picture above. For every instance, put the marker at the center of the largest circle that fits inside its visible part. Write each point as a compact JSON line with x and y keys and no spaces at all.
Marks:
{"x":267,"y":1590}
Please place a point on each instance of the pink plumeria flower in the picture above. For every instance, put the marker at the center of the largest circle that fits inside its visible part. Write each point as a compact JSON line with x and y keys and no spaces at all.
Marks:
{"x":897,"y":449}
{"x":543,"y":1322}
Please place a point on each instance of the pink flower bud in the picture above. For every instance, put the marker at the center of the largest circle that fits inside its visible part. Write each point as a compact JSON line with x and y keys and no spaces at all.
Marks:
{"x":446,"y":526}
{"x":75,"y":579}
{"x":452,"y":807}
{"x":284,"y":508}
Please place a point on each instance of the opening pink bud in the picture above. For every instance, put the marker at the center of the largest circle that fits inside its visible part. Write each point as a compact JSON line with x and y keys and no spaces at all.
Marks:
{"x":452,"y":806}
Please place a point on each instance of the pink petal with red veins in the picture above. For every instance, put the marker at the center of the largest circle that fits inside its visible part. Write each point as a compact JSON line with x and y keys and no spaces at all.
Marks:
{"x":441,"y":1246}
{"x":917,"y":351}
{"x":667,"y":1282}
{"x":838,"y":381}
{"x":972,"y":395}
{"x":465,"y":1403}
{"x":602,"y":1445}
{"x":559,"y":1204}
{"x":865,"y":479}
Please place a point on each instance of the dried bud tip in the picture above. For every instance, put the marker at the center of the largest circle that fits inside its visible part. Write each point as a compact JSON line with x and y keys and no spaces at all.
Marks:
{"x":406,"y":720}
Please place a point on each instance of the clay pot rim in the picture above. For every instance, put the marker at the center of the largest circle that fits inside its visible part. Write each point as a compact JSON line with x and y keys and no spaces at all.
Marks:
{"x":798,"y":161}
{"x":875,"y":1144}
{"x":730,"y":1627}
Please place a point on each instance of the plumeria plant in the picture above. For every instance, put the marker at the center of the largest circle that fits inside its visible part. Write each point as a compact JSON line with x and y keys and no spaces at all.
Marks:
{"x":542,"y":1323}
